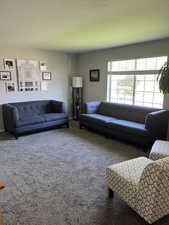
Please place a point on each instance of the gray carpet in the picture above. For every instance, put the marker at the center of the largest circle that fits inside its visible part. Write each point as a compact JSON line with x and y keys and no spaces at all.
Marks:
{"x":57,"y":177}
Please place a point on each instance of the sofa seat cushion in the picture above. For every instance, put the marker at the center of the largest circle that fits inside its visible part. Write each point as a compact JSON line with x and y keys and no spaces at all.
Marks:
{"x":129,"y":126}
{"x":54,"y":116}
{"x":124,"y":178}
{"x":98,"y":118}
{"x":29,"y":121}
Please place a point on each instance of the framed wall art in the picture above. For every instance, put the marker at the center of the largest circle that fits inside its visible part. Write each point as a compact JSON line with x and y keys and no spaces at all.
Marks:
{"x":5,"y":75}
{"x":28,"y":75}
{"x":46,"y":76}
{"x":43,"y":66}
{"x":94,"y":75}
{"x":10,"y":87}
{"x":9,"y":64}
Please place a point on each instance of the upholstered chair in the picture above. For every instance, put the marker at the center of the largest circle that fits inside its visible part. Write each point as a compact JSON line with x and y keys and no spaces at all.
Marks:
{"x":160,"y":150}
{"x":143,"y":184}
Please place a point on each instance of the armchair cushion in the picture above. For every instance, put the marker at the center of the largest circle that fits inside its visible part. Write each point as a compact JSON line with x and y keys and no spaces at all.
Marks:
{"x":159,"y":150}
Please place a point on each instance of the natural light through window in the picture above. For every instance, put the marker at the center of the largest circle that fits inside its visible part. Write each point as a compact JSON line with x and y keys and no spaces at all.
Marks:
{"x":135,"y":82}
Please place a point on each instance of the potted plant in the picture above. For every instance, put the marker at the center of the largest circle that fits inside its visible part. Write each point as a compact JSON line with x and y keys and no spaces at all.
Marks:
{"x":163,"y":78}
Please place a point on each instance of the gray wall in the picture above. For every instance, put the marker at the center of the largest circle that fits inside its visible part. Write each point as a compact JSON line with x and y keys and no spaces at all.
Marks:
{"x":61,"y":65}
{"x":99,"y":59}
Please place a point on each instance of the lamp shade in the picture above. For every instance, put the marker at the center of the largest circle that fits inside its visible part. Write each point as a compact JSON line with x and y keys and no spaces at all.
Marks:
{"x":77,"y":82}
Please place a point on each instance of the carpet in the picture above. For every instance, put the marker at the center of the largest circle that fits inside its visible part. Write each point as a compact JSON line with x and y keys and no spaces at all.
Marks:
{"x":57,"y":177}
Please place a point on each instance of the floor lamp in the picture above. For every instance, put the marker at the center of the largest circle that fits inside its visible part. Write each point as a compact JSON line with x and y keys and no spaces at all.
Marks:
{"x":77,"y":97}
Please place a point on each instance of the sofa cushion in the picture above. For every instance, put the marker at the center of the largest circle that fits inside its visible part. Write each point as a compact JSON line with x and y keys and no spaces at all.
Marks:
{"x":98,"y":118}
{"x":29,"y":121}
{"x":129,"y":126}
{"x":28,"y":109}
{"x":54,"y":116}
{"x":124,"y":111}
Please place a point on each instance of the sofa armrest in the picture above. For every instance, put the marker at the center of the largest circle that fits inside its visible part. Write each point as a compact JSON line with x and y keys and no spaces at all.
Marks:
{"x":58,"y":107}
{"x":91,"y":107}
{"x":10,"y":116}
{"x":157,"y":123}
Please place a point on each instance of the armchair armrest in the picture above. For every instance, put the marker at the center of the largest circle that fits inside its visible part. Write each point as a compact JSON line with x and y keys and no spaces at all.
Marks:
{"x":10,"y":116}
{"x":58,"y":107}
{"x":153,"y":191}
{"x":157,"y":123}
{"x":91,"y":107}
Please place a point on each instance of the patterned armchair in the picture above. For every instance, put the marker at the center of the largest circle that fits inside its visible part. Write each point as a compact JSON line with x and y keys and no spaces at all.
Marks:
{"x":143,"y":184}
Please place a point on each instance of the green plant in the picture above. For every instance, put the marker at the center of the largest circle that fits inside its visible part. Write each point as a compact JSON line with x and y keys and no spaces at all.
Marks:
{"x":163,"y":78}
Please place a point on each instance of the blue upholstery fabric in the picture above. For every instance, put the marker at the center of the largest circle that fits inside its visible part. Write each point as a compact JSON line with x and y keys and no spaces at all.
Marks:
{"x":24,"y":117}
{"x":129,"y":126}
{"x":54,"y":116}
{"x":91,"y":107}
{"x":32,"y":108}
{"x":99,"y":118}
{"x":124,"y":111}
{"x":136,"y":124}
{"x":156,"y":123}
{"x":57,"y":107}
{"x":29,"y":121}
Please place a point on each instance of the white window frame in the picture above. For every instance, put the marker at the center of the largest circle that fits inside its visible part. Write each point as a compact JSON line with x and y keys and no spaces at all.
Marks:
{"x":134,"y":73}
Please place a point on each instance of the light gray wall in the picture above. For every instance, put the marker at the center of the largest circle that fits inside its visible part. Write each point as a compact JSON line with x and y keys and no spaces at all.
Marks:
{"x":99,"y":59}
{"x":60,"y":64}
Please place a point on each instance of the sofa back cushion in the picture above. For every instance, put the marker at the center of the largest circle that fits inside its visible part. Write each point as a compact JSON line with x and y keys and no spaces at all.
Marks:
{"x":28,"y":109}
{"x":124,"y":111}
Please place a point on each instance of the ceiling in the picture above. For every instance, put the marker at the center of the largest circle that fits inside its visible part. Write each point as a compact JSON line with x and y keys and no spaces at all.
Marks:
{"x":80,"y":25}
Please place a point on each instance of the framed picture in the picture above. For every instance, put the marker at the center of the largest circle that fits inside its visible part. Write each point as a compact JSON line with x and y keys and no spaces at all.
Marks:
{"x":43,"y":66}
{"x":9,"y":64}
{"x":5,"y":75}
{"x":10,"y":86}
{"x":95,"y":75}
{"x":46,"y":76}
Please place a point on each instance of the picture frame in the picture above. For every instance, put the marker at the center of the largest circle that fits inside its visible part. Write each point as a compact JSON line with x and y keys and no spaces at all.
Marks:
{"x":46,"y":76}
{"x":9,"y":64}
{"x":94,"y":75}
{"x":10,"y":87}
{"x":5,"y":75}
{"x":43,"y":66}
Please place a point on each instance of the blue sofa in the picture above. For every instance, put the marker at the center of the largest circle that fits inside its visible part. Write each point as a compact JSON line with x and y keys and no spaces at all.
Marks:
{"x":26,"y":117}
{"x":136,"y":124}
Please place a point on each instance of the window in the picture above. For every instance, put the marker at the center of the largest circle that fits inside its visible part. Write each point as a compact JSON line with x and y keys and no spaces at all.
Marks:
{"x":135,"y":82}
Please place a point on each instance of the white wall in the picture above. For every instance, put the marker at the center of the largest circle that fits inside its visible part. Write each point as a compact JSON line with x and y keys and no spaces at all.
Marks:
{"x":99,"y":59}
{"x":60,"y":64}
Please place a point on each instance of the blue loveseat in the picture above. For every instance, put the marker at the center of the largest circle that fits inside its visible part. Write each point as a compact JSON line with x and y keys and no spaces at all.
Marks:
{"x":136,"y":124}
{"x":27,"y":117}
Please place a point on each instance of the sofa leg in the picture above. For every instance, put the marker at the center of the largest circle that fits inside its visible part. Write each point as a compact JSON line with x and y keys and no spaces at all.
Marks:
{"x":111,"y":193}
{"x":16,"y":136}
